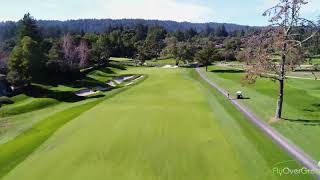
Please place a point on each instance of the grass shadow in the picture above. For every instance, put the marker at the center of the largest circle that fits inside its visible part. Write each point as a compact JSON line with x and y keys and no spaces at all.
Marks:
{"x":118,"y":66}
{"x":227,"y":71}
{"x":62,"y":96}
{"x":305,"y":122}
{"x":86,"y":82}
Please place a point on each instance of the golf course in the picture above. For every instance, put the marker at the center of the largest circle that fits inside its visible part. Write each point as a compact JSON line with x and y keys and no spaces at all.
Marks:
{"x":301,"y":110}
{"x":171,"y":125}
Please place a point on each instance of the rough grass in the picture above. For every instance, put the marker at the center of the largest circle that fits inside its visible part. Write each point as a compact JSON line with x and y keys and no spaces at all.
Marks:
{"x":120,"y":59}
{"x":171,"y":126}
{"x":15,"y":151}
{"x":43,"y":100}
{"x":162,"y":62}
{"x":27,"y":106}
{"x":301,"y":111}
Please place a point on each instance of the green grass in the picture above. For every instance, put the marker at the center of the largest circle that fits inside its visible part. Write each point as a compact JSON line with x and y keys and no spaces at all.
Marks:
{"x":316,"y":61}
{"x":120,"y":59}
{"x":28,"y":105}
{"x":45,"y":100}
{"x":15,"y":151}
{"x":171,"y":126}
{"x":162,"y":62}
{"x":301,"y":105}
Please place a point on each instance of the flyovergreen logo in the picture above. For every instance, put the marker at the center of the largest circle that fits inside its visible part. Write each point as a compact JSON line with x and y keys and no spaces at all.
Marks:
{"x":291,"y":168}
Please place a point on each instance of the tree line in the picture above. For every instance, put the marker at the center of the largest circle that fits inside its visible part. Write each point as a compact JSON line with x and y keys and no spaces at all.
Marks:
{"x":33,"y":55}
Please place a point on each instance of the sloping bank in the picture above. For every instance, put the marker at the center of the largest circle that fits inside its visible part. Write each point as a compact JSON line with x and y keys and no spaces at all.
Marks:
{"x":18,"y":149}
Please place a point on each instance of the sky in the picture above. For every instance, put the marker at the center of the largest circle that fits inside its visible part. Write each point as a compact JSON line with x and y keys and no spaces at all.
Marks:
{"x":245,"y":12}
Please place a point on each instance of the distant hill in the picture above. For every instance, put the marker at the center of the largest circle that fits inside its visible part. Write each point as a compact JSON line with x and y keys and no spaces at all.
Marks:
{"x":101,"y":25}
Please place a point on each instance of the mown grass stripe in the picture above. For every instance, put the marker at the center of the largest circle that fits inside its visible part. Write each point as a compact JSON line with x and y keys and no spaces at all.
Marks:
{"x":15,"y":151}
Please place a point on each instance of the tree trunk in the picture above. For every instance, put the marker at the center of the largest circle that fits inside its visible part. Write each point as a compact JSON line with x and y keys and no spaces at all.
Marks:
{"x":281,"y":83}
{"x":280,"y":100}
{"x":206,"y":68}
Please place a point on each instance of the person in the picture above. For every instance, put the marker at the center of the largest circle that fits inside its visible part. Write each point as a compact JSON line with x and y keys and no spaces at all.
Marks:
{"x":228,"y":95}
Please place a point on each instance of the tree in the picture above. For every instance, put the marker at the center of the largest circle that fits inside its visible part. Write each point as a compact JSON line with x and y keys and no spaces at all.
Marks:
{"x":221,"y":31}
{"x":56,"y":64}
{"x":19,"y":63}
{"x":27,"y":27}
{"x":154,"y":40}
{"x":185,"y":51}
{"x":206,"y":56}
{"x":190,"y":33}
{"x":83,"y":53}
{"x":101,"y":50}
{"x":170,"y":46}
{"x":179,"y":35}
{"x":3,"y":63}
{"x":232,"y":43}
{"x":282,"y":37}
{"x":70,"y":54}
{"x":207,"y":30}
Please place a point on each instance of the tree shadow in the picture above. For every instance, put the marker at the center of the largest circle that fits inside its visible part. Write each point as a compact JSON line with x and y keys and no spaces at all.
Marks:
{"x":118,"y":66}
{"x":246,"y":98}
{"x":105,"y":69}
{"x":62,"y":96}
{"x":227,"y":71}
{"x":55,"y":78}
{"x":5,"y":101}
{"x":305,"y":122}
{"x":86,"y":82}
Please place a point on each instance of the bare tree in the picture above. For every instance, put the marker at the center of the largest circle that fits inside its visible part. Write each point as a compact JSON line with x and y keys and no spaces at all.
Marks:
{"x":282,"y":38}
{"x":83,"y":52}
{"x":70,"y":53}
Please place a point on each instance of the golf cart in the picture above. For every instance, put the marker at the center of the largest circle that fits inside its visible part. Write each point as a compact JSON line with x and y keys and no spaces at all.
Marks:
{"x":239,"y":95}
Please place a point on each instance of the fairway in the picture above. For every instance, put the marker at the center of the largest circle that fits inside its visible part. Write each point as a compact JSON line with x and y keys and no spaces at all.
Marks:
{"x":170,"y":126}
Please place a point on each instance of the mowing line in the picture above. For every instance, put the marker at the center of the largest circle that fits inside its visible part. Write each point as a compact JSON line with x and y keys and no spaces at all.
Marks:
{"x":285,"y":143}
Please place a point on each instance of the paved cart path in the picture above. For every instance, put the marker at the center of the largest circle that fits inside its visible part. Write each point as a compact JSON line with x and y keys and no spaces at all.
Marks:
{"x":291,"y":148}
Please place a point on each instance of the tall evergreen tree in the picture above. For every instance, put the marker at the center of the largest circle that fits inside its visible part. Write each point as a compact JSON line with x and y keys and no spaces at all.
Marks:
{"x":19,"y":62}
{"x":28,"y":28}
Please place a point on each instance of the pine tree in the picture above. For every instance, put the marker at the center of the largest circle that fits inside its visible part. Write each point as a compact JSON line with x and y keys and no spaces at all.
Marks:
{"x":19,"y":62}
{"x":28,"y":28}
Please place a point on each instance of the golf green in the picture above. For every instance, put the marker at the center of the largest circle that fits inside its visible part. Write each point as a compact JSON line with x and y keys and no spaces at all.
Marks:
{"x":171,"y":126}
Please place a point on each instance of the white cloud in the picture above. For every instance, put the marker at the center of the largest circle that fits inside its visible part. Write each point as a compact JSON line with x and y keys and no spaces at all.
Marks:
{"x":158,"y":9}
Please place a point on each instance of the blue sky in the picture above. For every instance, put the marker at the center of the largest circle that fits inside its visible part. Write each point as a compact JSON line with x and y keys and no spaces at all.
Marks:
{"x":247,"y":12}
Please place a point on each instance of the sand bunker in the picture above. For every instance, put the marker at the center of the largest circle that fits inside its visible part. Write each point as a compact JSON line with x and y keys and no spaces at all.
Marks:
{"x":111,"y":83}
{"x":169,"y":66}
{"x":85,"y":92}
{"x":120,"y":79}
